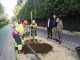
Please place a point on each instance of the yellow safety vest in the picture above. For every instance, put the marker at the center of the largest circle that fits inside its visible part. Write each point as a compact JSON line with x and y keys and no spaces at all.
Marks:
{"x":19,"y":28}
{"x":33,"y":25}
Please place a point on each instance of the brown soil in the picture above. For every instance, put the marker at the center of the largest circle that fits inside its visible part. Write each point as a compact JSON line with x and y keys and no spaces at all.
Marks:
{"x":41,"y":48}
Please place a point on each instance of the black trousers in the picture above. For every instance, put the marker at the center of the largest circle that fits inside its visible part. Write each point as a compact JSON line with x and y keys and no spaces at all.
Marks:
{"x":49,"y":31}
{"x":33,"y":31}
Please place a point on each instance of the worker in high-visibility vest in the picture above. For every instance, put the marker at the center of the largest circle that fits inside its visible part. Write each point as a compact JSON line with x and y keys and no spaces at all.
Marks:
{"x":33,"y":26}
{"x":17,"y":34}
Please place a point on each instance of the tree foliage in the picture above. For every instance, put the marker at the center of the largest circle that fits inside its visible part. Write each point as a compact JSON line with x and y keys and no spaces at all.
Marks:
{"x":16,"y":10}
{"x":3,"y":18}
{"x":24,"y":13}
{"x":1,"y":8}
{"x":45,"y":7}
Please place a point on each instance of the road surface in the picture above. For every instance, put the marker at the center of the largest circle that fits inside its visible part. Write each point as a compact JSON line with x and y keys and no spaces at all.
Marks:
{"x":7,"y":51}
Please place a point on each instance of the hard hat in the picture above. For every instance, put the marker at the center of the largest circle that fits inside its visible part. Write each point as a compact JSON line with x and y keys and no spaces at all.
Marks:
{"x":26,"y":22}
{"x":33,"y":21}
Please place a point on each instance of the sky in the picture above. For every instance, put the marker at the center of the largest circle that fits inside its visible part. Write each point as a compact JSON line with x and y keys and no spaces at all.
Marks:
{"x":9,"y":6}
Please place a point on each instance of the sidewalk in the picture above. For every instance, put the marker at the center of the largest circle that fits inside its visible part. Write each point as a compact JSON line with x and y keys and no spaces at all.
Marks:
{"x":58,"y":53}
{"x":64,"y":31}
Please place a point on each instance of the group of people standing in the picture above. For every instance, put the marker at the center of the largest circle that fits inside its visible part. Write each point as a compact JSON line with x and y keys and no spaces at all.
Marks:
{"x":54,"y":27}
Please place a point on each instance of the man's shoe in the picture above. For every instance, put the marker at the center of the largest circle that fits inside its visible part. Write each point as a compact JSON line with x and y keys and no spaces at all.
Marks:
{"x":57,"y":40}
{"x":50,"y":37}
{"x":47,"y":37}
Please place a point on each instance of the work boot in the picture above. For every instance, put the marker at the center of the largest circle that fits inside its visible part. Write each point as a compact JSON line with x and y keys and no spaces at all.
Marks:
{"x":20,"y":51}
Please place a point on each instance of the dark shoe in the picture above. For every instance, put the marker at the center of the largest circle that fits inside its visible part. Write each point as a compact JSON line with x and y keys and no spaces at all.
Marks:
{"x":47,"y":37}
{"x":57,"y":40}
{"x":18,"y":51}
{"x":50,"y":37}
{"x":60,"y":42}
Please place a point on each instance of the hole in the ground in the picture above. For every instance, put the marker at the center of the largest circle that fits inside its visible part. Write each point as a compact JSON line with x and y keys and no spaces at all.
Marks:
{"x":41,"y":48}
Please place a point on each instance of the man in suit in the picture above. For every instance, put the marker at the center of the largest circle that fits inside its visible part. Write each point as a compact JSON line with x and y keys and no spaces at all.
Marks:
{"x":49,"y":28}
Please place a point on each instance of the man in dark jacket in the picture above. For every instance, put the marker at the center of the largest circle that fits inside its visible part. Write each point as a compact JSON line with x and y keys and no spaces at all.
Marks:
{"x":49,"y":28}
{"x":54,"y":25}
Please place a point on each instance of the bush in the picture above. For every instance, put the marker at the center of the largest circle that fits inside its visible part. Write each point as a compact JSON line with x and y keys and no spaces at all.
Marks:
{"x":72,"y":22}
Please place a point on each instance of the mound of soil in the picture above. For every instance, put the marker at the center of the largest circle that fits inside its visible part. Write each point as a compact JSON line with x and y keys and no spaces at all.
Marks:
{"x":41,"y":48}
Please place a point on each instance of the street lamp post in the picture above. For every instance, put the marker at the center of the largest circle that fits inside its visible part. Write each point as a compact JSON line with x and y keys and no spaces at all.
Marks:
{"x":35,"y":9}
{"x":31,"y":16}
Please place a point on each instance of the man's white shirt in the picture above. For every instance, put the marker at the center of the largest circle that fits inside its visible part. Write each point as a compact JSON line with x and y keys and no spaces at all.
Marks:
{"x":48,"y":22}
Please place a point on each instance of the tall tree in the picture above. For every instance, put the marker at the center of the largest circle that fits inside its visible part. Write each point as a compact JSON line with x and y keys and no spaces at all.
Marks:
{"x":1,"y":8}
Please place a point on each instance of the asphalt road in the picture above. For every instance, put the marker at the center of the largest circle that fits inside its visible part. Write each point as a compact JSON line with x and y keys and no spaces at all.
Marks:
{"x":7,"y":51}
{"x":69,"y":41}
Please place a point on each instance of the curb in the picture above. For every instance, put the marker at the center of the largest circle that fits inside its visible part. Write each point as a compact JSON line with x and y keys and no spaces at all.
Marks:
{"x":64,"y":31}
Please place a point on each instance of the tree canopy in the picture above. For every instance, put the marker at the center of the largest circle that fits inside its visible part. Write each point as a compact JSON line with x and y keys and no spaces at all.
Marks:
{"x":44,"y":8}
{"x":1,"y":8}
{"x":3,"y":17}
